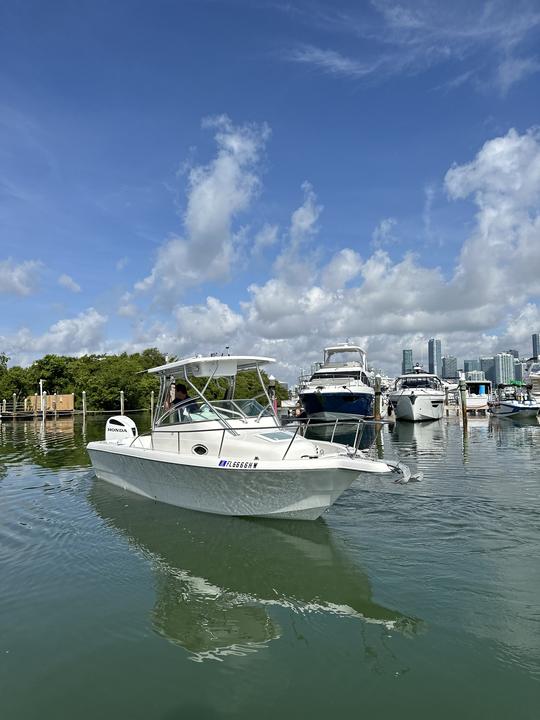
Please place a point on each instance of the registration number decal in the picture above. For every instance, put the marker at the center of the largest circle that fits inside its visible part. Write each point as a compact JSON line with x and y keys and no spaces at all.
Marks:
{"x":239,"y":464}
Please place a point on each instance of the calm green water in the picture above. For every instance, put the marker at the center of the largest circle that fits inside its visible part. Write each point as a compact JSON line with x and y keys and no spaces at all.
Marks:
{"x":416,"y":601}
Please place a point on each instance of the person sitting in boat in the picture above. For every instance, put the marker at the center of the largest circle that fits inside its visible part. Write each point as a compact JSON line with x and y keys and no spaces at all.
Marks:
{"x":183,"y":402}
{"x":299,"y":411}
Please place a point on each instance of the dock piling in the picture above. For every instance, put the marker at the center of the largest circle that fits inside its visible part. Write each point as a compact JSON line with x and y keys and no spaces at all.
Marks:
{"x":377,"y":413}
{"x":463,"y":398}
{"x":84,"y":403}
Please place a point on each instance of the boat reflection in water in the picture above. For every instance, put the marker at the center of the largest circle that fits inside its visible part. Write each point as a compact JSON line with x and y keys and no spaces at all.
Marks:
{"x":498,"y":422}
{"x":427,"y":438}
{"x":502,"y":429}
{"x":218,"y":578}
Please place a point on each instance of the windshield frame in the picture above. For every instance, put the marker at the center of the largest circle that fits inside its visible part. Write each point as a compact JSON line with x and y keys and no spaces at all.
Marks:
{"x":222,"y":414}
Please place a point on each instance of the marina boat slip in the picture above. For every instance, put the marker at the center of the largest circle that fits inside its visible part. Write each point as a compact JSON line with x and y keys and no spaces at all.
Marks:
{"x":513,"y":400}
{"x":229,"y":457}
{"x":417,"y":396}
{"x":340,"y":387}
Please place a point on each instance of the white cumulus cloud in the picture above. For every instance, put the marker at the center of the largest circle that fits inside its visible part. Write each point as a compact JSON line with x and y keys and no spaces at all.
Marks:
{"x":217,"y":194}
{"x":211,"y":323}
{"x":79,"y":335}
{"x":19,"y":279}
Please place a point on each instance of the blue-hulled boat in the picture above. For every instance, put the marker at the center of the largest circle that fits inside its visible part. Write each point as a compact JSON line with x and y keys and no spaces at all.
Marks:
{"x":339,"y":389}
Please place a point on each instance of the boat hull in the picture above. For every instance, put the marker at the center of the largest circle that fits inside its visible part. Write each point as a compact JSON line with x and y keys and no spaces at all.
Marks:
{"x":326,"y":406}
{"x":477,"y":403}
{"x":514,"y":409}
{"x":417,"y":408}
{"x":261,"y":491}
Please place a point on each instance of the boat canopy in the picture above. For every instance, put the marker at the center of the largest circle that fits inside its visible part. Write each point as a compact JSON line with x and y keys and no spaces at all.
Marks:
{"x":341,"y":350}
{"x":212,"y":366}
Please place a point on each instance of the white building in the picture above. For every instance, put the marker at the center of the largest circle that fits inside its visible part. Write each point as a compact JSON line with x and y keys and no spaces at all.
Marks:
{"x":504,"y":368}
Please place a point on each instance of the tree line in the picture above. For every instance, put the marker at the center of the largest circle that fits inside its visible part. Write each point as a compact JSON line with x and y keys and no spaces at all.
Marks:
{"x":103,"y":376}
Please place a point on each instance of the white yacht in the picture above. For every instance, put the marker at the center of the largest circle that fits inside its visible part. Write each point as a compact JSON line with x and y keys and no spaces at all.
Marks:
{"x":417,"y":396}
{"x":229,"y":457}
{"x":339,"y":388}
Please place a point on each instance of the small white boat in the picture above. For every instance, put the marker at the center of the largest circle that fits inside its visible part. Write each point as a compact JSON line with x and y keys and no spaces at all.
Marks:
{"x":417,"y":396}
{"x":513,"y":400}
{"x":229,"y":457}
{"x":478,"y":394}
{"x":340,"y":387}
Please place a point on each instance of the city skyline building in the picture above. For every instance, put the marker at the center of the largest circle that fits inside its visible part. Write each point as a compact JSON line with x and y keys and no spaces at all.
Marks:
{"x":487,"y":365}
{"x":434,"y":356}
{"x":470,"y":365}
{"x":504,"y":367}
{"x":475,"y":375}
{"x":449,"y":367}
{"x":536,"y":345}
{"x":515,"y":353}
{"x":407,"y":362}
{"x":519,"y":370}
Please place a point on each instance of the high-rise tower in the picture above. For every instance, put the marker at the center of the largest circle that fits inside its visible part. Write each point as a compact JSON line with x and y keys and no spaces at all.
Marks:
{"x":504,"y":367}
{"x":449,"y":367}
{"x":407,"y":362}
{"x":536,"y":345}
{"x":434,"y":356}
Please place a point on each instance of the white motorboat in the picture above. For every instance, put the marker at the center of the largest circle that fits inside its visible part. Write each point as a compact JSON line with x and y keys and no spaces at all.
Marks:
{"x":229,"y":457}
{"x":339,"y":387}
{"x":417,"y":396}
{"x":478,"y":394}
{"x":513,"y":400}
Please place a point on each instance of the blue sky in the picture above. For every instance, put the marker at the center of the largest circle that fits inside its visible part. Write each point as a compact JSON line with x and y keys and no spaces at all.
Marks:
{"x":269,"y":176}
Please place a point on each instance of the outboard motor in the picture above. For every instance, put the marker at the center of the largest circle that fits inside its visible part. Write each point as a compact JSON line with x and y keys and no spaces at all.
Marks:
{"x":120,"y":430}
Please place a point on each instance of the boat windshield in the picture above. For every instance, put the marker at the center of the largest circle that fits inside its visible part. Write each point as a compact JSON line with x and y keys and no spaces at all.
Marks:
{"x":344,"y":357}
{"x":193,"y":411}
{"x":246,"y":408}
{"x":418,"y":382}
{"x":344,"y":375}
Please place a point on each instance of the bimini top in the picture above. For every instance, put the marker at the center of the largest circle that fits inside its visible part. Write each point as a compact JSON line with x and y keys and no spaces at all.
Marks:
{"x":342,"y":349}
{"x":212,"y":366}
